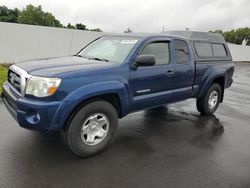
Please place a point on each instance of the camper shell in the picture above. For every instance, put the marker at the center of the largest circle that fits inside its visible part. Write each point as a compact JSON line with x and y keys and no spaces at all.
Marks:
{"x":206,"y":38}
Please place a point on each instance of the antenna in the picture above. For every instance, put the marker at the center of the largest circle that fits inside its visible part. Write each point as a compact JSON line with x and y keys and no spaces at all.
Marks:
{"x":72,"y":37}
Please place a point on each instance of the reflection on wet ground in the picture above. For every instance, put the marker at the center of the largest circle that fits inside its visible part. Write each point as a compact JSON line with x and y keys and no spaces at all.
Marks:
{"x":211,"y":123}
{"x":170,"y":146}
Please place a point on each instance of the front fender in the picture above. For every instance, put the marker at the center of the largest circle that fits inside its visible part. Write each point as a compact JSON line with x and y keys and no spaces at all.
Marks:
{"x":108,"y":87}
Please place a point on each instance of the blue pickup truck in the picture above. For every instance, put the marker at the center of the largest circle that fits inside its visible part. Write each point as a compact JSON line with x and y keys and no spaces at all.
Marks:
{"x":84,"y":95}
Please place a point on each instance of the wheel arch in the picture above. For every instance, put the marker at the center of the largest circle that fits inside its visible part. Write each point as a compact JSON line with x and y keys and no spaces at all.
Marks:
{"x":112,"y":98}
{"x":219,"y":79}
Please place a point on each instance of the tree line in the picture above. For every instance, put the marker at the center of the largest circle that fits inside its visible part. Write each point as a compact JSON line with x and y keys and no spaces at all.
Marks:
{"x":236,"y":36}
{"x":34,"y":15}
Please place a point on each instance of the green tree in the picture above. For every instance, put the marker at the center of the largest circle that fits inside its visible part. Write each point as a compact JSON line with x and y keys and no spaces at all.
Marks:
{"x":81,"y":26}
{"x":236,"y":36}
{"x":69,"y":26}
{"x":229,"y":36}
{"x":217,"y":31}
{"x":242,"y":34}
{"x":96,"y":29}
{"x":8,"y":15}
{"x":36,"y":16}
{"x":128,"y":30}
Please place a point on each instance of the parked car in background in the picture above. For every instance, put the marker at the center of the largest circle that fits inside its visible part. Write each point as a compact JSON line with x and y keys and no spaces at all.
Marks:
{"x":84,"y":95}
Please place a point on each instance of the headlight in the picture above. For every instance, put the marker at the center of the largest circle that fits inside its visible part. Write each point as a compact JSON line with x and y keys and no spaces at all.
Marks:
{"x":42,"y":87}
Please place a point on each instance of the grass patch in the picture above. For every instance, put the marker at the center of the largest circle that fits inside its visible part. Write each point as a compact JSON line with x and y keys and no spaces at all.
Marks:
{"x":3,"y":75}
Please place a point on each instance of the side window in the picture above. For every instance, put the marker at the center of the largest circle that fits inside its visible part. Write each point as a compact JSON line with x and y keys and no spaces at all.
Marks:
{"x":203,"y":49}
{"x":160,"y":50}
{"x":181,"y":51}
{"x":219,"y":50}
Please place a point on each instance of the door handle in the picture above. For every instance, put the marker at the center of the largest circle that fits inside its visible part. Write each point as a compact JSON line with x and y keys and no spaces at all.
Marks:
{"x":169,"y":71}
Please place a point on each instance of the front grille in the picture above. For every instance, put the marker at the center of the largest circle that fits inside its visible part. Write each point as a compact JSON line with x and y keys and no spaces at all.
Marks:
{"x":15,"y":80}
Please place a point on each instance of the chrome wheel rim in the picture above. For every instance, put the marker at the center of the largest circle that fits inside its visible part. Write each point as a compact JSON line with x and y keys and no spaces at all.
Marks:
{"x":95,"y":129}
{"x":213,"y":99}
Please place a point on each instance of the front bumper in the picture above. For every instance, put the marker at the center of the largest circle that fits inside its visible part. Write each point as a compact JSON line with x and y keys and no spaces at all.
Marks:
{"x":33,"y":114}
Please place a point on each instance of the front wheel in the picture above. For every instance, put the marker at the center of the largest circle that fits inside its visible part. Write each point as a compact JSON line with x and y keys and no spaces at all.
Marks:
{"x":210,"y":102}
{"x":92,"y":128}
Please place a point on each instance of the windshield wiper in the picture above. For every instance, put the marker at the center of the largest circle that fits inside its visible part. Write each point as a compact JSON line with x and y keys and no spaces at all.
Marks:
{"x":77,"y":55}
{"x":98,"y":59}
{"x":92,"y":58}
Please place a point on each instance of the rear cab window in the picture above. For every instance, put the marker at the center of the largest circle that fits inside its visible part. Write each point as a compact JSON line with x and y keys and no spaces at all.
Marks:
{"x":206,"y":49}
{"x":203,"y":49}
{"x":219,"y":50}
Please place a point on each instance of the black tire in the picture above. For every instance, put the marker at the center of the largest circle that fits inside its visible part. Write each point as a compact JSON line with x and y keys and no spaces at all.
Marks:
{"x":73,"y":131}
{"x":202,"y":104}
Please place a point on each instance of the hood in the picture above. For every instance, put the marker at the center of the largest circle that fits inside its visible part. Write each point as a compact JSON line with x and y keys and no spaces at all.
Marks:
{"x":56,"y":66}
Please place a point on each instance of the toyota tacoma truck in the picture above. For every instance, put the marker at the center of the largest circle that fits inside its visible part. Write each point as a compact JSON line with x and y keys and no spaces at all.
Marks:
{"x":84,"y":95}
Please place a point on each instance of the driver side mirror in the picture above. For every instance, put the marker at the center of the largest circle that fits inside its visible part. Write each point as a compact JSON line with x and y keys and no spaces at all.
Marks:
{"x":145,"y":60}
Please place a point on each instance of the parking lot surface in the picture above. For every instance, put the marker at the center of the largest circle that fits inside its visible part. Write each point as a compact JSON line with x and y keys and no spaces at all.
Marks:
{"x":172,"y":146}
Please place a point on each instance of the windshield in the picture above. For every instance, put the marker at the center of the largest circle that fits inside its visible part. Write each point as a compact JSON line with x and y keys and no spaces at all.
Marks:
{"x":114,"y":49}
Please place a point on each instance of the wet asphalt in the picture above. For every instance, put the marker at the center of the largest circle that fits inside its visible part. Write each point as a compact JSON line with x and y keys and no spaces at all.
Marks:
{"x":172,"y":146}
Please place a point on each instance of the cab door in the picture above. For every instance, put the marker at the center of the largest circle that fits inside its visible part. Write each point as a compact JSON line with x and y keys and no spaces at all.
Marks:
{"x":184,"y":71}
{"x":152,"y":86}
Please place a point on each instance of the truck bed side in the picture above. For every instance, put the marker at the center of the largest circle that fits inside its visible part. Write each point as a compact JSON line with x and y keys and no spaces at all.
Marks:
{"x":209,"y":72}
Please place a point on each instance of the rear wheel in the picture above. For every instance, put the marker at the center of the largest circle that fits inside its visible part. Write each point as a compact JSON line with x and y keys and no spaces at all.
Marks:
{"x":92,"y":128}
{"x":210,"y":102}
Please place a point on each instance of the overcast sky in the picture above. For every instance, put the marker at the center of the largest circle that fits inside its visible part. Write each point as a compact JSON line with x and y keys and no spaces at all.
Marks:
{"x":146,"y":15}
